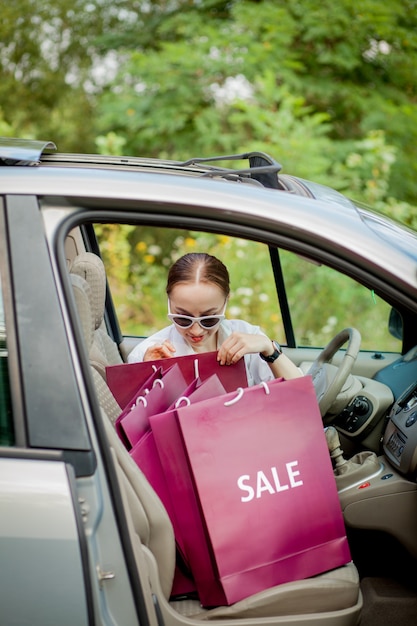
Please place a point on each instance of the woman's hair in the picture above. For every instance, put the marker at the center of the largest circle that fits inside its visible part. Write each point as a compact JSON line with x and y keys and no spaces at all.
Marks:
{"x":199,"y":267}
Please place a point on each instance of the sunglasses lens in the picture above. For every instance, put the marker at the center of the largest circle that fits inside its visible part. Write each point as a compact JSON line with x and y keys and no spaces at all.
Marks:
{"x":209,"y":322}
{"x":183,"y":322}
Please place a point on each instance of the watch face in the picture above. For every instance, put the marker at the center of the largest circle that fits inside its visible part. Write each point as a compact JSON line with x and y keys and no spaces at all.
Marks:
{"x":277,"y":348}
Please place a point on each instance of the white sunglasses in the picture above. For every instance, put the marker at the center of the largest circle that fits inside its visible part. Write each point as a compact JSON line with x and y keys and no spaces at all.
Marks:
{"x":186,"y":321}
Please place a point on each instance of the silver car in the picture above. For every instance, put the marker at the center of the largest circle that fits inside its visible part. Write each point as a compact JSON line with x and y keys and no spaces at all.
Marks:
{"x":84,"y":539}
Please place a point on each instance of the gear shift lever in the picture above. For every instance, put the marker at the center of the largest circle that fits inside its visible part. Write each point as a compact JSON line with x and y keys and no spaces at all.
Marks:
{"x":336,"y":452}
{"x":349,"y":472}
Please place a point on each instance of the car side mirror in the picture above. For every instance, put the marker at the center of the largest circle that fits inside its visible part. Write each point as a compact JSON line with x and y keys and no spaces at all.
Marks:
{"x":395,"y":324}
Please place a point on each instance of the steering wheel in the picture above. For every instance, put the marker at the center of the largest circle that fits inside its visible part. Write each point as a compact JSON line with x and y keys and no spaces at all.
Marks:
{"x":328,"y":379}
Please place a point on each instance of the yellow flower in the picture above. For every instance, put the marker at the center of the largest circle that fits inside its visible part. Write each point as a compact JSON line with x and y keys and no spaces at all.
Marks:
{"x":190,"y":242}
{"x":141,"y":246}
{"x":149,"y":258}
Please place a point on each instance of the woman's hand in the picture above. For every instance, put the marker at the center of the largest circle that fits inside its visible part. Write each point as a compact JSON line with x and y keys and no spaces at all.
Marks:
{"x":163,"y":350}
{"x":239,"y":344}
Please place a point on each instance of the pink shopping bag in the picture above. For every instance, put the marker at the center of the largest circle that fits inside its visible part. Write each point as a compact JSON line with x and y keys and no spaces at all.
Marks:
{"x":133,"y":422}
{"x":146,"y":456}
{"x":157,"y":394}
{"x":127,"y":388}
{"x":261,"y":491}
{"x":138,"y":430}
{"x":136,"y":399}
{"x":124,"y":379}
{"x":146,"y":386}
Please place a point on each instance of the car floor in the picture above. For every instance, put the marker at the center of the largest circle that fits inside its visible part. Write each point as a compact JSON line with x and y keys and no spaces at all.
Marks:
{"x":388,"y":579}
{"x":387,"y":602}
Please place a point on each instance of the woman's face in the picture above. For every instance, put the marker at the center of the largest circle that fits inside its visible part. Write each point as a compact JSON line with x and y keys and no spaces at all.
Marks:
{"x":198,"y":300}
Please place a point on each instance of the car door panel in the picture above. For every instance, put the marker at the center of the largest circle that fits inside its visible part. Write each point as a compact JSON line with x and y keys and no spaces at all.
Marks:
{"x":39,"y":525}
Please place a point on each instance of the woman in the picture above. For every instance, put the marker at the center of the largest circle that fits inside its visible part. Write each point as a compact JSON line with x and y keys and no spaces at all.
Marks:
{"x":198,"y":289}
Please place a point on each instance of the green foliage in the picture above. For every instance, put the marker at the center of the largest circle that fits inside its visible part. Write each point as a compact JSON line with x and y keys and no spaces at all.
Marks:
{"x":47,"y":86}
{"x":301,"y":80}
{"x":322,"y":301}
{"x":329,"y":89}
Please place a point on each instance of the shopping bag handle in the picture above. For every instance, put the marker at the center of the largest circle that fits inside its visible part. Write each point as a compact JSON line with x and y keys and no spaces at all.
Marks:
{"x":182,"y":399}
{"x":266,"y":388}
{"x":140,"y":399}
{"x":240,"y":393}
{"x":159,"y":381}
{"x":236,"y":398}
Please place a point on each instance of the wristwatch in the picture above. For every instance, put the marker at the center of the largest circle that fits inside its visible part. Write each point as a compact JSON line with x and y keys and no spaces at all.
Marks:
{"x":276,"y":353}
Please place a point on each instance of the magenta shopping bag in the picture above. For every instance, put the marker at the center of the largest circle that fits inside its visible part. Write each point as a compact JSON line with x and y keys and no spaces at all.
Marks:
{"x":124,"y":379}
{"x":146,"y":456}
{"x":170,"y":449}
{"x":261,"y":492}
{"x":134,"y":401}
{"x":183,"y":507}
{"x":127,"y":390}
{"x":133,"y":422}
{"x":137,"y":428}
{"x":146,"y":386}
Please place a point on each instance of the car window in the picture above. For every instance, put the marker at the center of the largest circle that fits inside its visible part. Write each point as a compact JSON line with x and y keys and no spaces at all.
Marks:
{"x":321,"y":300}
{"x":6,"y":425}
{"x":137,"y":260}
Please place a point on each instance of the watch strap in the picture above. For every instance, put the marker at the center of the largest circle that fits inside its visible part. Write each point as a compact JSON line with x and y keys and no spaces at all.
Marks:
{"x":276,"y":353}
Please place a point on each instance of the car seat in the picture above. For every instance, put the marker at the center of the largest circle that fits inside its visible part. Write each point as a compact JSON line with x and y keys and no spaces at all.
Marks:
{"x":333,"y":598}
{"x":84,"y":298}
{"x":104,"y":350}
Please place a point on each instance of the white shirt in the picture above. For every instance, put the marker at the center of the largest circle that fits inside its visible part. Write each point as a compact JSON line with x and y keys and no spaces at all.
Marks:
{"x":257,"y":369}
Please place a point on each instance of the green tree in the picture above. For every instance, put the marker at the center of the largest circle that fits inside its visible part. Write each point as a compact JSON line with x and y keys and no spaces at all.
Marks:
{"x":51,"y":69}
{"x":311,"y":83}
{"x":223,"y":76}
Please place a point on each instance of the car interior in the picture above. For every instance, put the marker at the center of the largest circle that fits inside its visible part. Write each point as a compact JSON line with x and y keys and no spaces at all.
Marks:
{"x":366,"y":394}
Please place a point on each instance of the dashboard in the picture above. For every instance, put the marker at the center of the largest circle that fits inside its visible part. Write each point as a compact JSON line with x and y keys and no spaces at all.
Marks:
{"x":400,"y":437}
{"x":400,"y":374}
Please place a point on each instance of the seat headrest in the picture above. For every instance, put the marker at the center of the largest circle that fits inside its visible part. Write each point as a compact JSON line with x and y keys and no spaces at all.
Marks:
{"x":91,"y":268}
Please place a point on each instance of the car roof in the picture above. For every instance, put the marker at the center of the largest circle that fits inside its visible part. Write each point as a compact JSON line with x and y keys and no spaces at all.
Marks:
{"x":262,"y":170}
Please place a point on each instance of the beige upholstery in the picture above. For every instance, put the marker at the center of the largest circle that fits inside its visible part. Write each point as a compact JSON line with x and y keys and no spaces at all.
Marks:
{"x":332,"y":598}
{"x":83,"y":297}
{"x":104,"y":350}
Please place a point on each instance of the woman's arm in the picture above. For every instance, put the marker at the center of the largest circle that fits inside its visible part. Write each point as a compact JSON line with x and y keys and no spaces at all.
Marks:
{"x":238,"y":344}
{"x":283,"y":366}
